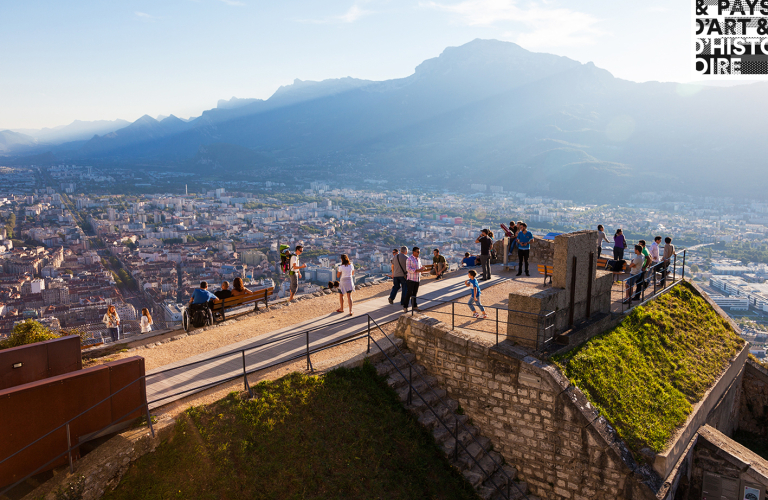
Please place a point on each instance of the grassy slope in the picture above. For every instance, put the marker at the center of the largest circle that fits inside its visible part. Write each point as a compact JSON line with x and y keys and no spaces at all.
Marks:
{"x":644,"y":375}
{"x":344,"y":435}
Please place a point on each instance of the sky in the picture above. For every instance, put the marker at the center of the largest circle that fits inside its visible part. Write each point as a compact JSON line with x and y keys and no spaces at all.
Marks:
{"x":109,"y":59}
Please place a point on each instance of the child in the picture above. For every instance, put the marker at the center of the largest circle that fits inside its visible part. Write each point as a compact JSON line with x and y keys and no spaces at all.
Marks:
{"x":475,"y":297}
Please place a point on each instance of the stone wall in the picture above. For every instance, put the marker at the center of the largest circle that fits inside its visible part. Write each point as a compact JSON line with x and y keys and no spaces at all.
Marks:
{"x":721,"y":464}
{"x":535,"y":419}
{"x":753,"y":404}
{"x":542,"y":251}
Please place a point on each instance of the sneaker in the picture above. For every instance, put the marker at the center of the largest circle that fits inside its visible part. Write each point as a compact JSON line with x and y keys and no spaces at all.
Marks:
{"x":417,"y":309}
{"x":475,"y":315}
{"x":405,"y":309}
{"x":391,"y":301}
{"x":483,"y":316}
{"x":526,"y":273}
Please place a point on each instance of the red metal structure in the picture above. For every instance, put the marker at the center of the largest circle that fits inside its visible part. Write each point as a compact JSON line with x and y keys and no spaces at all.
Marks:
{"x":33,"y":362}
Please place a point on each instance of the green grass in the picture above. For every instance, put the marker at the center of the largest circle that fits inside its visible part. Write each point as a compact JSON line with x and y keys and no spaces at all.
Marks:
{"x":645,"y":374}
{"x":341,"y":436}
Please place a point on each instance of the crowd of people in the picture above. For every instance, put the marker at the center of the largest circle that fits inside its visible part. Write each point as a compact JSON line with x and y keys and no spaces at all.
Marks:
{"x":407,"y":269}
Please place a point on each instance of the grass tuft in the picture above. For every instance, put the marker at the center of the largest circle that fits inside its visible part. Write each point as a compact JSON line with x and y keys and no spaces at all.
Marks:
{"x":645,"y":374}
{"x":344,"y":435}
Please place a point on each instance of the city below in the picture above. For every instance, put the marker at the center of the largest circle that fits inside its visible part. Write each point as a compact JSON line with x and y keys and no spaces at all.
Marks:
{"x":71,"y":244}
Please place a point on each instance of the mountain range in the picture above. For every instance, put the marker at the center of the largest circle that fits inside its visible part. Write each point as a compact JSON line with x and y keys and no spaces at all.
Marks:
{"x":487,"y":112}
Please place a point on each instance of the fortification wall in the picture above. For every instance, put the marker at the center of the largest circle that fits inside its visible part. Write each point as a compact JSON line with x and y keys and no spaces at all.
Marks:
{"x":535,"y":420}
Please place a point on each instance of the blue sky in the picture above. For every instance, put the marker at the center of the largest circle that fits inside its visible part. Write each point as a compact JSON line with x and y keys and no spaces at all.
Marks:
{"x":107,"y":59}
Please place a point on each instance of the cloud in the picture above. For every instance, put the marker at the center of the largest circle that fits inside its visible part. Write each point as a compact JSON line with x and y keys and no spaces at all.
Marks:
{"x":540,"y":25}
{"x":353,"y":14}
{"x":233,"y":3}
{"x":145,"y":17}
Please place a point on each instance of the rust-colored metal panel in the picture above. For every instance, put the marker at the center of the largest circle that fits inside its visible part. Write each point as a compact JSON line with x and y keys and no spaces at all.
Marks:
{"x":124,"y":373}
{"x":31,"y":410}
{"x":32,"y":362}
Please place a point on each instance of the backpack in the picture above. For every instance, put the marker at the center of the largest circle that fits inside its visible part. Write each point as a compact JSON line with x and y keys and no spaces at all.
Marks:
{"x":285,"y":258}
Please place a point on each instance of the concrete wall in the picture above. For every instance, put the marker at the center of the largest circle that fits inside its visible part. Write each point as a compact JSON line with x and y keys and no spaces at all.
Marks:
{"x":592,"y":291}
{"x":539,"y":423}
{"x":721,"y":463}
{"x":753,"y":402}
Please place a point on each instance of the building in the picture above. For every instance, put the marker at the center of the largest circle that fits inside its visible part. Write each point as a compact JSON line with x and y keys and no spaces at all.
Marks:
{"x":732,"y":303}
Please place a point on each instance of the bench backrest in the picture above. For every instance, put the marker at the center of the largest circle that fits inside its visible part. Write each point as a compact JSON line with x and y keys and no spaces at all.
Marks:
{"x":545,"y":269}
{"x":259,"y":294}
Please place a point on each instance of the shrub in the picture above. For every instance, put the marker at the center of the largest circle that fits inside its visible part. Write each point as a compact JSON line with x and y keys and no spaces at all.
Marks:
{"x":28,"y":332}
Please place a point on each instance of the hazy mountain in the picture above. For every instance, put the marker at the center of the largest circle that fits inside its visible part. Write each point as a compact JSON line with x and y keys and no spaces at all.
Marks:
{"x":13,"y":141}
{"x":75,"y":131}
{"x":487,"y":112}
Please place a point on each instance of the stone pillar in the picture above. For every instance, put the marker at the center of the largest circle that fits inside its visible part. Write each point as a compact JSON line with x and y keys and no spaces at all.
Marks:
{"x":579,"y":245}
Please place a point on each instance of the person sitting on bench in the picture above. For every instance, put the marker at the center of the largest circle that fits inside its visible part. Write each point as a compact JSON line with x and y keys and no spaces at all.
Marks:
{"x":239,"y":288}
{"x":225,"y":292}
{"x":202,"y":295}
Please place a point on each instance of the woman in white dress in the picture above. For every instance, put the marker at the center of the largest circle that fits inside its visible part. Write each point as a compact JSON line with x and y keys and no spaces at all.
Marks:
{"x":345,"y":275}
{"x":146,"y":321}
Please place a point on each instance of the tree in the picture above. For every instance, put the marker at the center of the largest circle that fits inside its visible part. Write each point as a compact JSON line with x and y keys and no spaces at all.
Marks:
{"x":28,"y":332}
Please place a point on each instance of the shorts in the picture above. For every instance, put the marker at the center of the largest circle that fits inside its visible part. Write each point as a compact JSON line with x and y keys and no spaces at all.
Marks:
{"x":294,"y":282}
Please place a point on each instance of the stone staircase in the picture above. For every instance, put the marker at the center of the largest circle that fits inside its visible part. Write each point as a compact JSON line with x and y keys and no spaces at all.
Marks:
{"x":495,"y":487}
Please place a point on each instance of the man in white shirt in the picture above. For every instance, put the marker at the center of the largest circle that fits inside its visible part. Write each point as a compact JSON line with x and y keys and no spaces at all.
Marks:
{"x":295,"y":272}
{"x":654,"y":250}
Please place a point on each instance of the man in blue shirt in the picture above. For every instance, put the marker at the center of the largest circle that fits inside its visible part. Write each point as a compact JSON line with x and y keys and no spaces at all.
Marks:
{"x":524,"y":239}
{"x":202,"y":295}
{"x":469,"y":260}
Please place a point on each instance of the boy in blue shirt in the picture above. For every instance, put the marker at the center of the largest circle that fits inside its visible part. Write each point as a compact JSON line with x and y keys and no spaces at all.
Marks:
{"x":475,"y":297}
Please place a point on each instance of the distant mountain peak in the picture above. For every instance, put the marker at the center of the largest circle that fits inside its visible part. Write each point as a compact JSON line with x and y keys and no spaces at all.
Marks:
{"x":235,"y":102}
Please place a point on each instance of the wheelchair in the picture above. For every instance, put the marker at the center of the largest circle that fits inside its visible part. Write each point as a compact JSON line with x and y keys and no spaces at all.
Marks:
{"x":196,"y":316}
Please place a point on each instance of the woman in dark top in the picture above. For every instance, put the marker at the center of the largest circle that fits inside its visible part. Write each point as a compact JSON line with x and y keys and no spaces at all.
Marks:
{"x":486,"y":242}
{"x":619,"y":244}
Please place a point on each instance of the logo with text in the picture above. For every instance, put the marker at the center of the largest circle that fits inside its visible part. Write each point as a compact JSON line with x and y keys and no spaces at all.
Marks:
{"x":731,"y":38}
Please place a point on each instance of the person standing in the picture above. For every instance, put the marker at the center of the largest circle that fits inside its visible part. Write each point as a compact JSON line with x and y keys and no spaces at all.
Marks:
{"x":399,"y":274}
{"x":524,"y":239}
{"x":654,"y":250}
{"x":475,"y":296}
{"x":345,"y":274}
{"x":619,"y":244}
{"x":295,"y":271}
{"x":112,"y":321}
{"x":646,"y":254}
{"x":486,"y":241}
{"x":600,"y":238}
{"x":146,"y":321}
{"x":669,"y":252}
{"x":636,"y":273}
{"x":414,"y":268}
{"x":438,"y":264}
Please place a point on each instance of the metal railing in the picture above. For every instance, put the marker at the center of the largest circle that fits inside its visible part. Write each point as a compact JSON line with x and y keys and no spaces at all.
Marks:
{"x":543,"y":324}
{"x":662,"y":276}
{"x":365,"y":333}
{"x":97,"y":333}
{"x":457,"y":427}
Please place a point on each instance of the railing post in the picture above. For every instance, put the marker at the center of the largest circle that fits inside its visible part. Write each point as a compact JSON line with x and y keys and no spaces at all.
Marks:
{"x":409,"y":399}
{"x":149,"y":421}
{"x":589,"y":283}
{"x":369,"y":333}
{"x":245,"y":377}
{"x":674,"y":268}
{"x":453,"y":315}
{"x":682,"y":273}
{"x":456,"y":441}
{"x":497,"y":326}
{"x":309,"y":361}
{"x":69,"y":451}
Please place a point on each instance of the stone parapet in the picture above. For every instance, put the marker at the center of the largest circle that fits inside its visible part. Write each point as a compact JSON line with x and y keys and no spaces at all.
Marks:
{"x":539,"y":422}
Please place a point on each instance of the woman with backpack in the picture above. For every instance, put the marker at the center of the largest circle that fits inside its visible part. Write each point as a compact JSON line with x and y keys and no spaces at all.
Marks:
{"x":345,"y":275}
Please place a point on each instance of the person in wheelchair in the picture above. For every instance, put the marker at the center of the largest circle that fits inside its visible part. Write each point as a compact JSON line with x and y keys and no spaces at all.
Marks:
{"x":199,"y":309}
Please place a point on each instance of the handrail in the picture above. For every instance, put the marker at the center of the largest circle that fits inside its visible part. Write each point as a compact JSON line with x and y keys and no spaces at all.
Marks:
{"x":643,"y":279}
{"x":456,"y":434}
{"x":366,"y":333}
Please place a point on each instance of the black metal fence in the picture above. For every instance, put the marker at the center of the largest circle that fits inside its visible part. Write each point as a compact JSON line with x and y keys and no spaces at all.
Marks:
{"x":648,"y":283}
{"x":363,"y":334}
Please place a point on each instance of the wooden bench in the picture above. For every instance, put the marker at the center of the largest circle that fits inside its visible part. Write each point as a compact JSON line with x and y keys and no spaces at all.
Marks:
{"x":602,"y":263}
{"x":547,"y":271}
{"x":255,"y":297}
